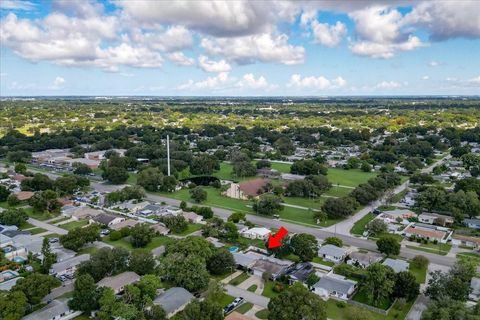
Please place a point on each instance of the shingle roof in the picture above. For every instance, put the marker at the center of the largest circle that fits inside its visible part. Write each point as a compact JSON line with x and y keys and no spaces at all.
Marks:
{"x":396,"y":264}
{"x":119,"y":281}
{"x":331,"y":250}
{"x":51,"y":310}
{"x":251,"y":187}
{"x":334,"y":283}
{"x":173,"y":299}
{"x":64,"y":265}
{"x":104,"y":218}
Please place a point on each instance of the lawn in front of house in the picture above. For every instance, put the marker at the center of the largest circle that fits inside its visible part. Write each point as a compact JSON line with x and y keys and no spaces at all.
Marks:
{"x":419,"y":273}
{"x":74,"y":224}
{"x":337,"y":191}
{"x":125,"y":244}
{"x":439,"y":248}
{"x":262,"y":314}
{"x":314,"y":203}
{"x":26,"y":225}
{"x":191,"y":227}
{"x":281,"y":167}
{"x":360,"y":226}
{"x":361,"y":296}
{"x":324,"y":262}
{"x":42,"y":216}
{"x":37,"y":230}
{"x":268,"y":290}
{"x":239,"y":279}
{"x":337,"y":310}
{"x":226,"y":300}
{"x":244,"y":308}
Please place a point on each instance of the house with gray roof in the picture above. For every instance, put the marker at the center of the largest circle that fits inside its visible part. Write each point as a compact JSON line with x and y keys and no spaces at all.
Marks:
{"x":333,"y":285}
{"x":396,"y":264}
{"x":106,"y":219}
{"x":332,"y":253}
{"x":117,"y":283}
{"x":68,"y":266}
{"x":472,"y":223}
{"x":364,"y":259}
{"x":55,"y":310}
{"x":173,"y":300}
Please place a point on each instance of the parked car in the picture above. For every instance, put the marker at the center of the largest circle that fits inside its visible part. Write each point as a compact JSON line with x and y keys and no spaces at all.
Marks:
{"x":233,"y":305}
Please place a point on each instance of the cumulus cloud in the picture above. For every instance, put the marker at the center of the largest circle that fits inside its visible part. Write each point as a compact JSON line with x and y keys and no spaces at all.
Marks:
{"x":212,"y":83}
{"x":249,"y":81}
{"x":17,"y":5}
{"x":263,"y":47}
{"x":321,"y":83}
{"x":388,"y":85}
{"x":328,"y":35}
{"x":175,"y":38}
{"x":425,"y":77}
{"x":57,"y":83}
{"x":433,"y":63}
{"x":180,"y":59}
{"x":213,"y":66}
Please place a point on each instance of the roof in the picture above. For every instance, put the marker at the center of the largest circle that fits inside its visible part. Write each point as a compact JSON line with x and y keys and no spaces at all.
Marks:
{"x":237,"y":316}
{"x":104,"y":218}
{"x":475,"y":286}
{"x":126,"y":223}
{"x":335,"y":283}
{"x":258,"y":231}
{"x":173,"y":299}
{"x":366,"y":257}
{"x":424,"y":232}
{"x":291,"y":176}
{"x":251,"y":187}
{"x":119,"y":281}
{"x":72,"y":262}
{"x":31,"y":242}
{"x":50,"y":311}
{"x":191,"y":216}
{"x":7,"y":285}
{"x":160,"y":228}
{"x":265,"y":265}
{"x":471,"y":221}
{"x":83,"y":212}
{"x":331,"y":250}
{"x":400,"y":212}
{"x":24,"y":195}
{"x":466,"y":238}
{"x":244,"y":259}
{"x":396,"y":264}
{"x":301,"y":271}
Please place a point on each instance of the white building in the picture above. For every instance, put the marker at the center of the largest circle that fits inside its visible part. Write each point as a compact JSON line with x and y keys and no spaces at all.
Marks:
{"x":255,"y":233}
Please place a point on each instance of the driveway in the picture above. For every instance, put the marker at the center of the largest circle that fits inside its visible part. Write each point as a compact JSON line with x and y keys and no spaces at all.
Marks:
{"x":248,"y":296}
{"x":418,"y":307}
{"x":47,"y":226}
{"x":252,"y":280}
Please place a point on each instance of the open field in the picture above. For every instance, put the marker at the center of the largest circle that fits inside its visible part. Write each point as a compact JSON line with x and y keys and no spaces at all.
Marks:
{"x":359,"y":226}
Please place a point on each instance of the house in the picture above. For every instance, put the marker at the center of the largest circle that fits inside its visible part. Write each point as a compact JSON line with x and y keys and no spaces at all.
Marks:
{"x":192,"y":217}
{"x":5,"y":241}
{"x":428,"y":232}
{"x":160,"y":229}
{"x":173,"y":300}
{"x":300,"y":272}
{"x":291,"y":177}
{"x":246,"y":190}
{"x":394,"y":215}
{"x":364,"y":259}
{"x":127,"y":223}
{"x":333,"y":285}
{"x":68,"y":266}
{"x":85,"y":213}
{"x":474,"y":289}
{"x":216,"y":243}
{"x":56,"y":310}
{"x":245,"y":261}
{"x":106,"y":219}
{"x":117,"y":283}
{"x":396,"y":264}
{"x":273,"y":266}
{"x":9,"y":284}
{"x":332,"y":253}
{"x":24,"y":195}
{"x":467,"y":241}
{"x":4,"y":228}
{"x":255,"y":233}
{"x":472,"y":223}
{"x":268,"y":173}
{"x":433,"y":218}
{"x":133,"y":205}
{"x":158,"y":210}
{"x":31,"y":243}
{"x":92,"y":164}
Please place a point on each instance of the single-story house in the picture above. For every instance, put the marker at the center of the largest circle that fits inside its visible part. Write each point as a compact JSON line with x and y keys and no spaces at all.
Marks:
{"x":5,"y":241}
{"x":31,"y":243}
{"x":159,"y":210}
{"x":255,"y":233}
{"x":332,"y":253}
{"x":9,"y":284}
{"x":216,"y":243}
{"x":275,"y":267}
{"x":396,"y":264}
{"x":160,"y":229}
{"x":92,"y":164}
{"x":433,"y":218}
{"x":128,"y":223}
{"x":62,"y":253}
{"x":133,"y":206}
{"x":393,"y":215}
{"x":158,"y":251}
{"x":335,"y":286}
{"x":68,"y":266}
{"x":56,"y":310}
{"x":245,"y":261}
{"x":192,"y":217}
{"x":4,"y":228}
{"x":268,"y":173}
{"x":474,"y":289}
{"x":364,"y":259}
{"x":428,"y":232}
{"x":24,"y":195}
{"x":106,"y":219}
{"x":117,"y":283}
{"x":291,"y":177}
{"x":246,"y":190}
{"x":472,"y":223}
{"x":85,"y":213}
{"x":467,"y":241}
{"x":300,"y":272}
{"x":173,"y":300}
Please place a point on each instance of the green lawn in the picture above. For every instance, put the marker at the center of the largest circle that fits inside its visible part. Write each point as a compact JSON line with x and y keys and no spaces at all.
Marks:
{"x":26,"y":225}
{"x":359,"y":226}
{"x":74,"y":224}
{"x":305,"y":202}
{"x":52,"y":235}
{"x":440,"y":248}
{"x":225,"y":173}
{"x":361,"y":297}
{"x":252,"y":288}
{"x":338,"y":311}
{"x":42,"y":216}
{"x":226,"y":300}
{"x":239,"y":279}
{"x":124,"y":243}
{"x":132,"y":178}
{"x":419,"y":273}
{"x":244,"y":308}
{"x":60,"y":219}
{"x":37,"y":230}
{"x":190,"y":229}
{"x":321,"y":261}
{"x":262,"y":314}
{"x":351,"y":178}
{"x":268,"y":290}
{"x":337,"y":191}
{"x":89,"y":250}
{"x":282,"y":167}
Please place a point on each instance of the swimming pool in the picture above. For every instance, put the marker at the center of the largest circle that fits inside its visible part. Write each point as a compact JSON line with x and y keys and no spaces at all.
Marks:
{"x":233,"y":249}
{"x":7,"y":275}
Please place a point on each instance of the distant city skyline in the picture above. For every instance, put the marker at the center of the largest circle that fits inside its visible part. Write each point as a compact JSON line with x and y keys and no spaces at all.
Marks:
{"x":239,"y":48}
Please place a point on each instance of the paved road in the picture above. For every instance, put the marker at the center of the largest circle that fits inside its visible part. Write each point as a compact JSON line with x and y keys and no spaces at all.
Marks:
{"x":46,"y":226}
{"x":248,"y":296}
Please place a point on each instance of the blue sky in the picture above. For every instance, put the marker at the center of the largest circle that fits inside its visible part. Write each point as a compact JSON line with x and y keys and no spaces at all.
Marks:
{"x":239,"y":48}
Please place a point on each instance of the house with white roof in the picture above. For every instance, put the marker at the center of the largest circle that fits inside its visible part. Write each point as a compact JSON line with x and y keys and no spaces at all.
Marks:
{"x":260,"y":233}
{"x":336,"y":286}
{"x":396,"y":264}
{"x":332,"y":253}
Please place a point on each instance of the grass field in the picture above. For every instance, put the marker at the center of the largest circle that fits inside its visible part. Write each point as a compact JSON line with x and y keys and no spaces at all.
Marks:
{"x":124,"y":243}
{"x":282,"y":167}
{"x":419,"y":273}
{"x":335,"y":312}
{"x":239,"y":279}
{"x":60,"y":219}
{"x":350,"y":178}
{"x":37,"y":230}
{"x":440,"y":248}
{"x":362,"y":297}
{"x":74,"y":224}
{"x":226,"y":300}
{"x":26,"y":225}
{"x":359,"y":226}
{"x":268,"y":290}
{"x":262,"y":314}
{"x":252,"y":288}
{"x":190,"y":229}
{"x":244,"y":308}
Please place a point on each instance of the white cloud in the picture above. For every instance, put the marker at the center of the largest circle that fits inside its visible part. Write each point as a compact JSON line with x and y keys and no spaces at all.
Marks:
{"x":213,"y":83}
{"x":296,"y":81}
{"x":17,"y":5}
{"x":57,"y":83}
{"x":328,"y":35}
{"x":175,"y":38}
{"x":425,"y":77}
{"x":213,"y":66}
{"x":388,"y":85}
{"x":262,"y":47}
{"x":433,"y":63}
{"x":385,"y":50}
{"x":475,"y":81}
{"x":248,"y":81}
{"x":180,"y":59}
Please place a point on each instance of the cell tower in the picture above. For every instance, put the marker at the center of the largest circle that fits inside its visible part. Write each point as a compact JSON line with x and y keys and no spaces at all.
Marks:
{"x":168,"y":155}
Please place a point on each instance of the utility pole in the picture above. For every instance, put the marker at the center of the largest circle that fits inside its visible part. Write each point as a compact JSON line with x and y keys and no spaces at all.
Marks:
{"x":168,"y":155}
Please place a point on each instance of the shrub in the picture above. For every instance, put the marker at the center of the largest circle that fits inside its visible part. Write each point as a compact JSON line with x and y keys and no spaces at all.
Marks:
{"x":115,"y":235}
{"x":341,"y":304}
{"x":420,"y":262}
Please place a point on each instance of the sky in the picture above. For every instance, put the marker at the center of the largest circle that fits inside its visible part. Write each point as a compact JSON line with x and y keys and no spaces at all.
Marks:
{"x":239,"y":48}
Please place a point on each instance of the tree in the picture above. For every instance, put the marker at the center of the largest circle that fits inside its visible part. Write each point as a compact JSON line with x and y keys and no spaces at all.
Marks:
{"x":377,"y":227}
{"x":221,"y":262}
{"x":198,"y":194}
{"x":312,"y":279}
{"x":39,"y":182}
{"x":78,"y":237}
{"x":379,"y":283}
{"x":268,"y":204}
{"x":305,"y":246}
{"x":81,"y":169}
{"x":49,"y":258}
{"x":12,"y":305}
{"x":187,"y":271}
{"x":45,"y":201}
{"x":140,"y":235}
{"x":4,"y":193}
{"x":236,"y":217}
{"x":13,"y":217}
{"x":12,"y":200}
{"x":406,"y":286}
{"x":284,"y":145}
{"x":263,"y":164}
{"x":420,"y":262}
{"x":20,"y":168}
{"x":150,"y":178}
{"x":115,"y":175}
{"x":105,"y":262}
{"x":204,"y":164}
{"x":334,"y":241}
{"x":308,"y":167}
{"x":67,"y":185}
{"x":244,"y":169}
{"x":297,"y":303}
{"x":430,"y":199}
{"x":85,"y":294}
{"x":388,"y":245}
{"x":449,"y":309}
{"x":19,"y":156}
{"x":36,"y":286}
{"x":141,"y":262}
{"x":176,"y":224}
{"x":339,"y":207}
{"x":203,"y":310}
{"x":192,"y":245}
